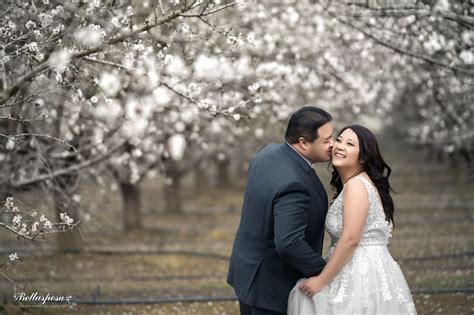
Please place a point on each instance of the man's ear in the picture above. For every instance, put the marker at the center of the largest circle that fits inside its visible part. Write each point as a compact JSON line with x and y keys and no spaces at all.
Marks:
{"x":303,"y":143}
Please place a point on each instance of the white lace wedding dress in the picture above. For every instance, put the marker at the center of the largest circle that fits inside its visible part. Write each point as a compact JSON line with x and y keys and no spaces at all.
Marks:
{"x":371,"y":282}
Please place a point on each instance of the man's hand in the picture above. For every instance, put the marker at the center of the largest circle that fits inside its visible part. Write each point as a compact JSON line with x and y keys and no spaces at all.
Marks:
{"x":311,"y":286}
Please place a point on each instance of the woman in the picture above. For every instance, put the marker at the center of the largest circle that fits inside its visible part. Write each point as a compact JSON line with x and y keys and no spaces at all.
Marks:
{"x":360,"y":277}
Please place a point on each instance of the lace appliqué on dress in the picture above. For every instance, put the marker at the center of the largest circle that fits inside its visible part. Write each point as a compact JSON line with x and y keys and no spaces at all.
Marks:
{"x":371,"y":282}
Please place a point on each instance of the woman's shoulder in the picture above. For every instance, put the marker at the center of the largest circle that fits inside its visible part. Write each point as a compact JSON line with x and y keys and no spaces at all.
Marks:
{"x":357,"y":185}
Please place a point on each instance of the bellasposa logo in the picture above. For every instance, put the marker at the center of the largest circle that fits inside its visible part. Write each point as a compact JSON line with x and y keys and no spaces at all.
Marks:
{"x":42,"y":299}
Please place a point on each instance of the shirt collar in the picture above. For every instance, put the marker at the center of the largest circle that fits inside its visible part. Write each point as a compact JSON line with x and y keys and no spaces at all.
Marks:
{"x":307,"y":161}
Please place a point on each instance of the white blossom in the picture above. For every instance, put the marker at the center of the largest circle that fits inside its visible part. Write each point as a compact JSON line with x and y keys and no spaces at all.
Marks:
{"x":206,"y":67}
{"x":259,"y":132}
{"x":10,"y":144}
{"x":129,"y":11}
{"x":161,"y":96}
{"x":110,"y":83}
{"x":13,"y":256}
{"x":34,"y":226}
{"x":47,"y":224}
{"x":88,"y":37}
{"x":177,"y":145}
{"x":176,"y":67}
{"x":23,"y":230}
{"x":467,"y":57}
{"x":30,"y":25}
{"x":109,"y":110}
{"x":33,"y":47}
{"x":442,"y":5}
{"x":180,"y":126}
{"x":16,"y":220}
{"x":65,"y":218}
{"x":76,"y":198}
{"x":9,"y":203}
{"x":134,"y":172}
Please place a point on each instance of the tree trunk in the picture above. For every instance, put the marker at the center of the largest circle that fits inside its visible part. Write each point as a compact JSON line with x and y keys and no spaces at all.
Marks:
{"x":173,"y":195}
{"x":70,"y":241}
{"x":132,"y":219}
{"x":201,"y":178}
{"x":223,"y":173}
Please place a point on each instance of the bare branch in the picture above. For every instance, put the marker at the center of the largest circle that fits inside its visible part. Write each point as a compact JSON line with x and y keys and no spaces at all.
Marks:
{"x":20,"y":119}
{"x":106,"y":62}
{"x":12,"y":282}
{"x":401,"y":50}
{"x":193,"y":101}
{"x":38,"y":136}
{"x":6,"y":94}
{"x":161,"y":7}
{"x":382,"y":11}
{"x":224,"y":33}
{"x":6,"y":11}
{"x":9,"y":228}
{"x":26,"y":98}
{"x":71,"y":169}
{"x":212,"y":11}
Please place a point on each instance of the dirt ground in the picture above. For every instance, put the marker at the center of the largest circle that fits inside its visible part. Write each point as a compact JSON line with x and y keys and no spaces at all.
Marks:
{"x":184,"y":256}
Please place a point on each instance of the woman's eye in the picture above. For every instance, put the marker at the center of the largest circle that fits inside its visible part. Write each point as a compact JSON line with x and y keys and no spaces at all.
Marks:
{"x":350,"y":144}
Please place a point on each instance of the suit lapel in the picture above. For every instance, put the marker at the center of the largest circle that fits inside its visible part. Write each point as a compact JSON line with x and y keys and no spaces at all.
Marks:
{"x":311,"y":173}
{"x":319,"y":186}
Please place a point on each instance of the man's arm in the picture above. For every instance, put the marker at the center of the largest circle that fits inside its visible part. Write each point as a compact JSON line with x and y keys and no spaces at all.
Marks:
{"x":291,"y":212}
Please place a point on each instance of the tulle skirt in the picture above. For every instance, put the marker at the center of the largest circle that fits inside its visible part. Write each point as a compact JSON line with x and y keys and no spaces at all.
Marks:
{"x":370,"y":283}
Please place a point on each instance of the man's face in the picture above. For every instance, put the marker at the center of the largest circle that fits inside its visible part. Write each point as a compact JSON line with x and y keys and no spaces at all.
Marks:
{"x":320,"y":149}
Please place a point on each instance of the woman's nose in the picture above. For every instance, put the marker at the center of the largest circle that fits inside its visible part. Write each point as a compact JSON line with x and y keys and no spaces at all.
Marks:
{"x":338,"y":147}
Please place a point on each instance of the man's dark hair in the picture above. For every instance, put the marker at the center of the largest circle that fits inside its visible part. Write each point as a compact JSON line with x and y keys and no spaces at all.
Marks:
{"x":305,"y":123}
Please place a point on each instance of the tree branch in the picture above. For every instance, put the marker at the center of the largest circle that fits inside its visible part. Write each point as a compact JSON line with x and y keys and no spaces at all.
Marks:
{"x":228,"y":5}
{"x":39,"y":136}
{"x":9,"y":117}
{"x":5,"y":95}
{"x":403,"y":51}
{"x":465,"y":21}
{"x":71,"y":169}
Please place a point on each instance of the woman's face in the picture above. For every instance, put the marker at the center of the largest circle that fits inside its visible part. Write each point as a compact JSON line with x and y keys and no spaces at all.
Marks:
{"x":345,"y":152}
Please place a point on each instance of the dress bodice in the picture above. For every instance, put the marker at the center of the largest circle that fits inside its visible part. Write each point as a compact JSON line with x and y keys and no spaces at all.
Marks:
{"x":371,"y":282}
{"x":376,"y":230}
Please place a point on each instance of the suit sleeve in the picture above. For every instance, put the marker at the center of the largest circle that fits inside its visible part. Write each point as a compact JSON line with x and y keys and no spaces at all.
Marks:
{"x":291,"y":213}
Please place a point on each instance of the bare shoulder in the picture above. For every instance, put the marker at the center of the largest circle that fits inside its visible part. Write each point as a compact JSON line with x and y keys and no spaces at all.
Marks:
{"x":355,"y":188}
{"x":354,"y":183}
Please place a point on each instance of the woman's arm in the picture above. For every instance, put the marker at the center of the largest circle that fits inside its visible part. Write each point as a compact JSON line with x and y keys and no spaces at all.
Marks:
{"x":356,"y":207}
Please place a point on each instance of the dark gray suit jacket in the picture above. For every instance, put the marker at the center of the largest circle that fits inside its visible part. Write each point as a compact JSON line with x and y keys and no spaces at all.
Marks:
{"x":280,"y":236}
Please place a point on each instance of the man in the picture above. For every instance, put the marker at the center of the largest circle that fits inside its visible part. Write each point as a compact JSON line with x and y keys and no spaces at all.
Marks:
{"x":280,"y":236}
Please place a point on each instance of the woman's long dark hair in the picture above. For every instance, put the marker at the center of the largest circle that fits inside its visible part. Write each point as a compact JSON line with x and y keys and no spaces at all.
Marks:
{"x":374,"y":165}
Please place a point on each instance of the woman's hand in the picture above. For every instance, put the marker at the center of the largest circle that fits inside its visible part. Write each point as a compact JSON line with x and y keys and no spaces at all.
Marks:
{"x":311,"y":286}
